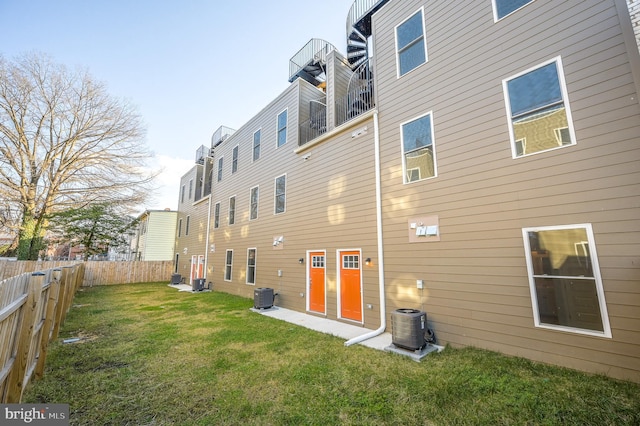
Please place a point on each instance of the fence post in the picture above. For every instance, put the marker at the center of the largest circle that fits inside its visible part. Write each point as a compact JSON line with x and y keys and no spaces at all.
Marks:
{"x":16,"y":385}
{"x":47,"y":330}
{"x":62,"y":296}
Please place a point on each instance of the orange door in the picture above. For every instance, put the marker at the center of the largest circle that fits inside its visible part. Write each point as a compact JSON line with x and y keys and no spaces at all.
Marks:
{"x":350,"y":286}
{"x":194,"y":268}
{"x":316,"y":282}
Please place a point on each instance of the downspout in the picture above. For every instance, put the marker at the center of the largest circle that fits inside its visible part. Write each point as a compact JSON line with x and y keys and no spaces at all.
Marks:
{"x":206,"y":241}
{"x":383,"y":308}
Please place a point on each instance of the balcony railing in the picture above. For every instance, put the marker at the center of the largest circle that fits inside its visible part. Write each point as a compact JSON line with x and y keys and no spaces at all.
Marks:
{"x":359,"y":97}
{"x":313,"y":53}
{"x":220,"y":135}
{"x":361,"y":9}
{"x":201,"y":154}
{"x":316,"y":125}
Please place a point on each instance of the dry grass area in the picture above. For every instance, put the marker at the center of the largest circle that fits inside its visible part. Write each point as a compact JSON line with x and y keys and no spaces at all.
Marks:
{"x":149,"y":355}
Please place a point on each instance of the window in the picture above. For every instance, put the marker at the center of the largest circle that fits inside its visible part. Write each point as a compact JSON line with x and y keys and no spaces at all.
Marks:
{"x":538,"y":110}
{"x":216,"y":216}
{"x":232,"y":210}
{"x":190,"y":188}
{"x":280,"y":194}
{"x":186,"y":227}
{"x":234,"y":160}
{"x":220,"y":168}
{"x":564,"y":278}
{"x":254,"y":203}
{"x":282,"y":128}
{"x":351,"y":261}
{"x":411,"y":46}
{"x":179,"y":228}
{"x":502,"y":8}
{"x":256,"y":145}
{"x":251,"y":265}
{"x":182,"y":194}
{"x":228,"y":265}
{"x":418,"y":153}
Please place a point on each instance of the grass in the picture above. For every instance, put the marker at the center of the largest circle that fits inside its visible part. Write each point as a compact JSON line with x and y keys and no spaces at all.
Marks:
{"x":153,"y":356}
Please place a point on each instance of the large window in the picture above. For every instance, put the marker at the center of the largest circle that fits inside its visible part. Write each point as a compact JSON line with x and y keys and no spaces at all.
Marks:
{"x":256,"y":145}
{"x":280,"y":194}
{"x":253,"y":198}
{"x":411,"y":46}
{"x":234,"y":160}
{"x":220,"y":168}
{"x":502,"y":8}
{"x":538,"y":110}
{"x":228,"y":265}
{"x":232,"y":210}
{"x":251,"y":265}
{"x":418,"y":152}
{"x":186,"y":227}
{"x":564,"y":277}
{"x":282,"y":128}
{"x":216,"y":216}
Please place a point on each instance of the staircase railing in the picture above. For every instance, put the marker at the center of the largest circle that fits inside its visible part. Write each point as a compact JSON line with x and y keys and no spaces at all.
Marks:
{"x":359,"y":97}
{"x":316,"y":50}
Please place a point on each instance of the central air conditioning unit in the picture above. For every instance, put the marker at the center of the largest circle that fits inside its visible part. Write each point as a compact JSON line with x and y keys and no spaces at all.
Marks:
{"x":263,"y":298}
{"x":198,"y":284}
{"x":176,"y":279}
{"x":408,"y":328}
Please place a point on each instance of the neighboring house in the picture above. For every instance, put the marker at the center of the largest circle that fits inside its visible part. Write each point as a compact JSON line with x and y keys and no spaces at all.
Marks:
{"x":481,"y":165}
{"x":155,"y":235}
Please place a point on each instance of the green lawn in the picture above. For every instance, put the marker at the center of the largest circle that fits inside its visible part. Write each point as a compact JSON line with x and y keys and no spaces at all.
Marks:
{"x":153,"y":356}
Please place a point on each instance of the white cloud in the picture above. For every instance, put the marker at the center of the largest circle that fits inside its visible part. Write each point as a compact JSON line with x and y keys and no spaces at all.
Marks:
{"x":167,"y":183}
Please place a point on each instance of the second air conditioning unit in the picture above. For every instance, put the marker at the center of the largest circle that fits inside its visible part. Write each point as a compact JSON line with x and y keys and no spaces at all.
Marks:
{"x":263,"y":298}
{"x":408,"y":328}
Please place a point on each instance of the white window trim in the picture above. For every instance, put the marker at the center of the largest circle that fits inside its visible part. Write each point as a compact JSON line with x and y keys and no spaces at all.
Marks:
{"x":596,"y":275}
{"x":257,"y":204}
{"x":235,"y":210}
{"x":255,"y":267}
{"x":495,"y":10}
{"x":253,"y":139}
{"x":565,"y":100}
{"x":214,"y":215}
{"x":275,"y":187}
{"x":278,"y":129}
{"x":230,"y":266}
{"x":220,"y":170}
{"x":235,"y":149}
{"x":424,"y":37}
{"x":433,"y":144}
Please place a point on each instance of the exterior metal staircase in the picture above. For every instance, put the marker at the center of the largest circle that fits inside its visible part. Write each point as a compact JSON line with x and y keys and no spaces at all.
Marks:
{"x":359,"y":29}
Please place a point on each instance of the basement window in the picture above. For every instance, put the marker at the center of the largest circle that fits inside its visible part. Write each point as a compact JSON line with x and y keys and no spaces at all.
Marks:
{"x":564,"y":279}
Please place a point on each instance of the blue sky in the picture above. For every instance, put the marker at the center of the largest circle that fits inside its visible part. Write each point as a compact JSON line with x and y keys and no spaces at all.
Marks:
{"x":189,"y":66}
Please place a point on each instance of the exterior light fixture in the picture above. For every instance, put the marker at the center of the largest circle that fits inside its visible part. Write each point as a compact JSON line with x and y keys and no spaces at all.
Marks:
{"x":301,"y":260}
{"x":367,"y":261}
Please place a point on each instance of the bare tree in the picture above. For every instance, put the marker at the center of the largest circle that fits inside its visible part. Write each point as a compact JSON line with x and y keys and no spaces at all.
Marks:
{"x":64,"y":143}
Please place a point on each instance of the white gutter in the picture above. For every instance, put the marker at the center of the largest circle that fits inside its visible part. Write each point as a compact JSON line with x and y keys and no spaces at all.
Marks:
{"x":383,"y":308}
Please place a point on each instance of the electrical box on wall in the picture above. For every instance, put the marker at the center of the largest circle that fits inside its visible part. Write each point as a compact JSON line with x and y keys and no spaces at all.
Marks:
{"x":419,"y":284}
{"x":424,"y":229}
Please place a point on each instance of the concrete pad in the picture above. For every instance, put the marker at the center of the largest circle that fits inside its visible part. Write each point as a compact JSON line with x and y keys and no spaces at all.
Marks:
{"x":414,"y":355}
{"x":327,"y":326}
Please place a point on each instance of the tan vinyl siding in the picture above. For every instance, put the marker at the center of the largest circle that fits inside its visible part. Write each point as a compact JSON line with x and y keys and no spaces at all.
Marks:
{"x":160,"y":236}
{"x":329,"y":206}
{"x":195,"y":241}
{"x":476,"y":283}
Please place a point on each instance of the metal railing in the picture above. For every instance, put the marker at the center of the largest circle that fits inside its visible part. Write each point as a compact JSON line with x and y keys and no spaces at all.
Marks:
{"x":359,"y":97}
{"x":316,"y":125}
{"x":316,"y":50}
{"x":220,"y":135}
{"x":360,"y":9}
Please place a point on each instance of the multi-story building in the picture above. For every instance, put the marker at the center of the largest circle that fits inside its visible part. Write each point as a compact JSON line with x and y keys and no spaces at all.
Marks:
{"x":477,"y":160}
{"x":154,"y":237}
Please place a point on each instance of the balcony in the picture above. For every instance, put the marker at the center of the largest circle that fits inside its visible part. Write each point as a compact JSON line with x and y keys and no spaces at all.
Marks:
{"x":359,"y":97}
{"x":309,"y":62}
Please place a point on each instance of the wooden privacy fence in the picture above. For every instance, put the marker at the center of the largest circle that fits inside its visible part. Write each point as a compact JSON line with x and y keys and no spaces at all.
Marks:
{"x":98,"y":272}
{"x":32,"y":308}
